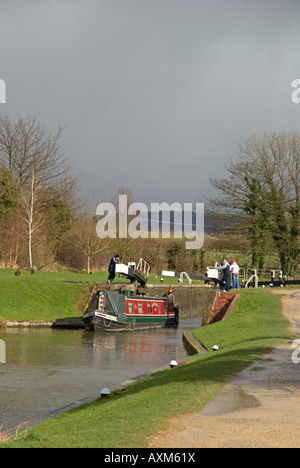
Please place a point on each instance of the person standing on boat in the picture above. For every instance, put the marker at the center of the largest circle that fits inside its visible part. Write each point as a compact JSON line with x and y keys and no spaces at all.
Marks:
{"x":112,"y":268}
{"x":170,"y":294}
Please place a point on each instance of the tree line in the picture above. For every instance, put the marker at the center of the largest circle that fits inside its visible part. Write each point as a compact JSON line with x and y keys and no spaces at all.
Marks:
{"x":44,"y":223}
{"x":260,"y":197}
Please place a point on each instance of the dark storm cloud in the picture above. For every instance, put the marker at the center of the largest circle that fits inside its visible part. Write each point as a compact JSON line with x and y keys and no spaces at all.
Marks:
{"x":155,"y":94}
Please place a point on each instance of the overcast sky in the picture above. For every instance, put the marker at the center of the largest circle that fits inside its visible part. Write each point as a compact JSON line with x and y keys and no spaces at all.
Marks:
{"x":155,"y":95}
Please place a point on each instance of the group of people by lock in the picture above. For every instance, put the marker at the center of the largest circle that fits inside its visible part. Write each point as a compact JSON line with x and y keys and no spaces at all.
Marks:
{"x":229,"y":271}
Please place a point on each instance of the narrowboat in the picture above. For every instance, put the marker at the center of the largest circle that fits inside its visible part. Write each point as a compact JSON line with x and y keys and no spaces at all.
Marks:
{"x":121,"y":310}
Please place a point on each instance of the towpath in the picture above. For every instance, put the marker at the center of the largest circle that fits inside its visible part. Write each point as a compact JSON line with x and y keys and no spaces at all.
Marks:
{"x":259,"y":408}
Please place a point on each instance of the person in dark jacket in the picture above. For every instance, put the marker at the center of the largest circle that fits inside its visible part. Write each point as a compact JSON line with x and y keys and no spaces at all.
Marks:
{"x":112,"y":268}
{"x":225,"y":268}
{"x":170,"y":294}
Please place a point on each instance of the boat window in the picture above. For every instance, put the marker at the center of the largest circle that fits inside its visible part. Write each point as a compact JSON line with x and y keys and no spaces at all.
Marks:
{"x":107,"y":305}
{"x":149,"y":308}
{"x":130,"y":307}
{"x":140,"y":307}
{"x":159,"y":309}
{"x":94,"y":302}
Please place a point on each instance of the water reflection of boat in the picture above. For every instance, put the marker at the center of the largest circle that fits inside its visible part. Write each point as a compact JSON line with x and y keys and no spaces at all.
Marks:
{"x":121,"y":310}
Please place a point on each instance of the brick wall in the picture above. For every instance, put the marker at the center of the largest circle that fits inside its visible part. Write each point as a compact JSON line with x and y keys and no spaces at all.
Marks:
{"x":223,"y":305}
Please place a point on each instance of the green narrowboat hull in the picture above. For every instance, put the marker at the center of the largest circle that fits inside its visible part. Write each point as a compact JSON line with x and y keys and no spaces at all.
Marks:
{"x":111,"y":311}
{"x":97,"y":323}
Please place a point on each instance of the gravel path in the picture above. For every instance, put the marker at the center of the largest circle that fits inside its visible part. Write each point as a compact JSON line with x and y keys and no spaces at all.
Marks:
{"x":259,"y":408}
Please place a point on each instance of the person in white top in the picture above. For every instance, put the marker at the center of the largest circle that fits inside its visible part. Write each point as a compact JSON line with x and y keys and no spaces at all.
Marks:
{"x":235,"y":271}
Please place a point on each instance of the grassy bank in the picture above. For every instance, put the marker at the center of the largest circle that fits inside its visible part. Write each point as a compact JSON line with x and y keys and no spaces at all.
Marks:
{"x":41,"y":296}
{"x":131,"y":418}
{"x":49,"y":296}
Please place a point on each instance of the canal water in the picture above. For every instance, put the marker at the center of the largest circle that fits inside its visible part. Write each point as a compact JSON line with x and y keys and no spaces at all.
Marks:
{"x":47,"y":369}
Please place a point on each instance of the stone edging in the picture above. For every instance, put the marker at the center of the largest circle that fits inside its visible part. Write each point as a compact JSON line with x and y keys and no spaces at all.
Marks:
{"x":43,"y":324}
{"x":196,"y":347}
{"x":231,"y":306}
{"x":27,"y":323}
{"x":193,"y":346}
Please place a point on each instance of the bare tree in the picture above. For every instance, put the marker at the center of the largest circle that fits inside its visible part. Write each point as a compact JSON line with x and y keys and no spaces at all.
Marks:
{"x":31,"y":214}
{"x":84,"y":237}
{"x":25,"y":145}
{"x":32,"y":154}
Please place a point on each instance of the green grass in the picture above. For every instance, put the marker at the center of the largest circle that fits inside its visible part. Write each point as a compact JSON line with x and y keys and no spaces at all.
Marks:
{"x":255,"y":325}
{"x":41,"y":296}
{"x":130,"y":419}
{"x":48,"y":296}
